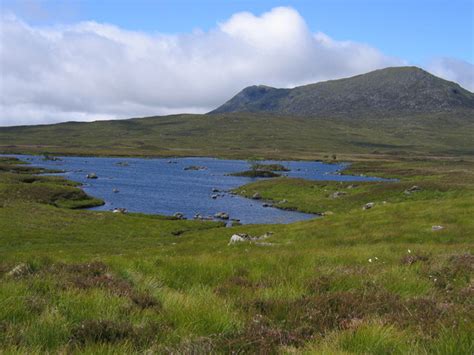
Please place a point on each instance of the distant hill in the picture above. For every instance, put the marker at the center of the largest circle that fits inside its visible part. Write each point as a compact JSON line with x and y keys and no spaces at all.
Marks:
{"x":390,"y":91}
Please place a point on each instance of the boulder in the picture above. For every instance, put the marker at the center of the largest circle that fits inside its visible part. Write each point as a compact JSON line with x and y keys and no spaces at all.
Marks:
{"x":436,"y":228}
{"x":119,"y":210}
{"x":221,"y":215}
{"x":239,"y":238}
{"x":214,"y":196}
{"x":179,"y":215}
{"x":368,"y":205}
{"x":338,"y":194}
{"x":412,"y":189}
{"x":115,"y":190}
{"x":256,"y":196}
{"x":243,"y":237}
{"x":19,"y":270}
{"x":91,"y":176}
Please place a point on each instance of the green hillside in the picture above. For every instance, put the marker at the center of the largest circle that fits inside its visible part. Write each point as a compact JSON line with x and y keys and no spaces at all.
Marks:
{"x":244,"y":135}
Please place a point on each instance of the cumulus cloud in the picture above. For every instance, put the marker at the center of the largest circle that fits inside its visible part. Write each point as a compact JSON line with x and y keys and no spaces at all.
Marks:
{"x":455,"y":70}
{"x":90,"y":71}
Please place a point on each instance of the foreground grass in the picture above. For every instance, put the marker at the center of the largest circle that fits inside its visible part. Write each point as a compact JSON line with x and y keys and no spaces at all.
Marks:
{"x":355,"y":281}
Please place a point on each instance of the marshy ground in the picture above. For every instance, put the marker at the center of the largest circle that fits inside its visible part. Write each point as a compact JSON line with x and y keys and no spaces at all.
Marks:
{"x":379,"y":280}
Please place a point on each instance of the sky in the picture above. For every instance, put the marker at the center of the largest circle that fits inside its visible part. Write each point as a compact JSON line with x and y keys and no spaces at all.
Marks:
{"x":87,"y":60}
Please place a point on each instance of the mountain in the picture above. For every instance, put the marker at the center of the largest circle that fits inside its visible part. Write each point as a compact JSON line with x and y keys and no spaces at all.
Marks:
{"x":390,"y":91}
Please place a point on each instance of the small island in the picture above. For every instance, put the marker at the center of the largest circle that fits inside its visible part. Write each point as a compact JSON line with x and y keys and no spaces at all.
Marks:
{"x":261,"y":170}
{"x":256,"y":173}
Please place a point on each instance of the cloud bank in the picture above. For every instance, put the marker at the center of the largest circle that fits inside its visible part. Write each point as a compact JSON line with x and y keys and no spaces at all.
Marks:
{"x":90,"y":71}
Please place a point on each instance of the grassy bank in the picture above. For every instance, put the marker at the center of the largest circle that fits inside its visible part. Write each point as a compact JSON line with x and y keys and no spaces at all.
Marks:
{"x":354,"y":281}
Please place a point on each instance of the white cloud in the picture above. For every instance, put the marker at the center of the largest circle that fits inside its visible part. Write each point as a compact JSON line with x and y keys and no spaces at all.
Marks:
{"x":90,"y":71}
{"x":455,"y":70}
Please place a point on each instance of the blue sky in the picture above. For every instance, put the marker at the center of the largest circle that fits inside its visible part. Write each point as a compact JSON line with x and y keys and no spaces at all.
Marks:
{"x":412,"y":29}
{"x":88,"y":60}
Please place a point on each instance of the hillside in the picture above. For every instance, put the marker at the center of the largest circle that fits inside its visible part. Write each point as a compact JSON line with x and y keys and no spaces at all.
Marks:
{"x":240,"y":135}
{"x":390,"y":91}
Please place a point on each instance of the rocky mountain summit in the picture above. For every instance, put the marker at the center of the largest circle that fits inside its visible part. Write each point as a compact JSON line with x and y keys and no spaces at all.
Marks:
{"x":397,"y":90}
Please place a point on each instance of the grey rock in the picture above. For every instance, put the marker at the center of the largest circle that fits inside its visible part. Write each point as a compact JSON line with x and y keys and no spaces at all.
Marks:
{"x":221,"y":215}
{"x":19,"y":270}
{"x":412,"y":189}
{"x":179,"y":215}
{"x":338,"y":194}
{"x":368,"y":206}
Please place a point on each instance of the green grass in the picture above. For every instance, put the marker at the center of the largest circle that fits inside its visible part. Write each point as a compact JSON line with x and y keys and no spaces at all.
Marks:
{"x":98,"y":282}
{"x":246,"y":135}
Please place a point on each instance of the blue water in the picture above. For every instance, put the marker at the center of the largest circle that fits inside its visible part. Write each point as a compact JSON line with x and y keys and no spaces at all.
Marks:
{"x":157,"y":186}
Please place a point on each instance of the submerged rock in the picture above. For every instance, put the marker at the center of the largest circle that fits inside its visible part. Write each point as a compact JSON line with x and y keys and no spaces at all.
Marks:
{"x":122,"y":163}
{"x":195,"y":167}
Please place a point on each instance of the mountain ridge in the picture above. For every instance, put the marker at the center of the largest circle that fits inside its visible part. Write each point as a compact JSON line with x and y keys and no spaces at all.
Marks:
{"x":386,"y":91}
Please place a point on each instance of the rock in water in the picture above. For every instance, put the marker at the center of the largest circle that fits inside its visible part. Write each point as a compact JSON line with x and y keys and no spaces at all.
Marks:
{"x":221,"y":215}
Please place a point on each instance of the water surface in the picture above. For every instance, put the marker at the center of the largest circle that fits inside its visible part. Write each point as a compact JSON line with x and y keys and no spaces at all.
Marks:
{"x":163,"y":186}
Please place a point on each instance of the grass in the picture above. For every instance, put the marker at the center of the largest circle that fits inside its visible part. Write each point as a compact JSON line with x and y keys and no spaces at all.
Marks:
{"x":354,"y":281}
{"x":245,"y":135}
